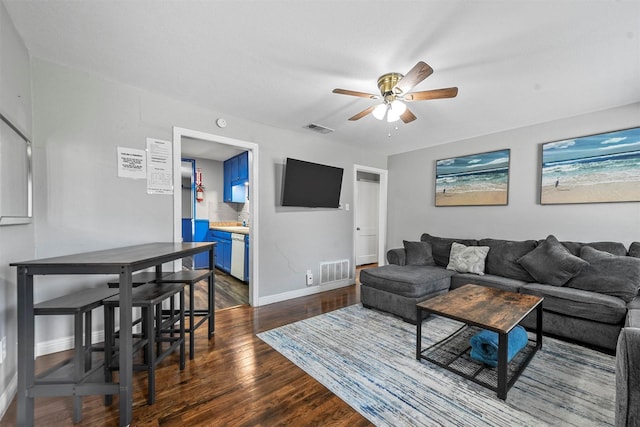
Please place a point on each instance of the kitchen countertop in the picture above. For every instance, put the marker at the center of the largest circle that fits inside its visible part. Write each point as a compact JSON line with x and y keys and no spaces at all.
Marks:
{"x":230,"y":228}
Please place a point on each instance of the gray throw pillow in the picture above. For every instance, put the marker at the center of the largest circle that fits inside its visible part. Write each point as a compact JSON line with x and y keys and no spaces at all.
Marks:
{"x":418,"y":253}
{"x":608,"y":274}
{"x":551,"y":263}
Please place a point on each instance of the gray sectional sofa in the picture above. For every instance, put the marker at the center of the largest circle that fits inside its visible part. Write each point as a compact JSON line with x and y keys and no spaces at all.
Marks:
{"x":590,"y":291}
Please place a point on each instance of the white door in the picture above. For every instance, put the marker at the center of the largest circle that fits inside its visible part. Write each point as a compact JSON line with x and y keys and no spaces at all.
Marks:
{"x":367,"y":222}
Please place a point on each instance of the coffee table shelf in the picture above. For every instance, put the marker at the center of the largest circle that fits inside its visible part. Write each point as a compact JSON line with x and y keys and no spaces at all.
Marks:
{"x":480,"y":307}
{"x":453,"y":354}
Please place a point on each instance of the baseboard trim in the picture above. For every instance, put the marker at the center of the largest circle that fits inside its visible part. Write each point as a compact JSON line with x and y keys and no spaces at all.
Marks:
{"x":303,"y":292}
{"x":62,"y":344}
{"x":8,"y":394}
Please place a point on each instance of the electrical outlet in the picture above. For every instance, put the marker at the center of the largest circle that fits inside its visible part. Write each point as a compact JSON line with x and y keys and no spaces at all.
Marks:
{"x":309,"y":278}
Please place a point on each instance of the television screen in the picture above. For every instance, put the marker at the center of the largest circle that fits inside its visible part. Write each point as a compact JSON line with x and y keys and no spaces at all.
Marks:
{"x":311,"y":185}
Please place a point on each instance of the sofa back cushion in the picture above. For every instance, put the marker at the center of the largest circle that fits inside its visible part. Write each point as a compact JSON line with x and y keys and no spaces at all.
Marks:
{"x":618,"y":276}
{"x":503,"y":256}
{"x":615,"y":248}
{"x":634,"y":249}
{"x":441,"y":247}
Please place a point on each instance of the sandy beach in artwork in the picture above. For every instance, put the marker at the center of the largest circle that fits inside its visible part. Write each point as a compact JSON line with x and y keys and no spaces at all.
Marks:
{"x":471,"y":198}
{"x":594,"y":193}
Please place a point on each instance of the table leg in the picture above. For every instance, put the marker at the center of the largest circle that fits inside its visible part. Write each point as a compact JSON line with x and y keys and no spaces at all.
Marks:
{"x":539,"y":326}
{"x":212,"y":292}
{"x":25,"y":347}
{"x":418,"y":333}
{"x":503,"y":345}
{"x":79,"y":362}
{"x":126,"y":348}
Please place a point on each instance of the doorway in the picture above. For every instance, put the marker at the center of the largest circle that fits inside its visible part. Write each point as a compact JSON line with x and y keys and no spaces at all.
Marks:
{"x":370,"y":215}
{"x":209,"y":146}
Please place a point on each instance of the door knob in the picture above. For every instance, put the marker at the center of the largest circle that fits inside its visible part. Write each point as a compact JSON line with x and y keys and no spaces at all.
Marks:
{"x":357,"y":228}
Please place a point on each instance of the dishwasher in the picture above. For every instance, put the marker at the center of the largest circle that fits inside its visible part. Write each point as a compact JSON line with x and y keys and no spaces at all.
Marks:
{"x":237,"y":255}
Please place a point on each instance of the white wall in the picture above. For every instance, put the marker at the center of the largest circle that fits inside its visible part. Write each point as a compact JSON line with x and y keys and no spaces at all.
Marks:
{"x":411,"y":190}
{"x":17,"y":242}
{"x":80,"y":120}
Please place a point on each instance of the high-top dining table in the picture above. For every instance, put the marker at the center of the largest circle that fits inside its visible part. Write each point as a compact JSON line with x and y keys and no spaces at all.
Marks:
{"x":122,"y":261}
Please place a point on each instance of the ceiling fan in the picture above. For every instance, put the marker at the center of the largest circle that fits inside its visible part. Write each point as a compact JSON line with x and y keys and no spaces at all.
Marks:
{"x":395,"y":88}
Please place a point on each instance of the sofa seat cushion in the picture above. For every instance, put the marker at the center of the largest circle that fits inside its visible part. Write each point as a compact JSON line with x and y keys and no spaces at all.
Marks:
{"x":488,"y":280}
{"x":578,"y":303}
{"x":503,"y":256}
{"x":412,"y":281}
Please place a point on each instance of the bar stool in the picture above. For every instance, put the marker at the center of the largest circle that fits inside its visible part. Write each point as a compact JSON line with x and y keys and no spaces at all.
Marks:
{"x":156,"y":329}
{"x":190,"y":278}
{"x":137,"y":279}
{"x":80,"y":305}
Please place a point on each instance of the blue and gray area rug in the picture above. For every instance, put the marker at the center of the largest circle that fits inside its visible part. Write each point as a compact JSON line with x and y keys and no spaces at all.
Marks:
{"x":367,"y":358}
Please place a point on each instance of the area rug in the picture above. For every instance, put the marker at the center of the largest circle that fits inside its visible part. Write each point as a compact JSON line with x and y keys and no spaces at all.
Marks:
{"x":367,"y":358}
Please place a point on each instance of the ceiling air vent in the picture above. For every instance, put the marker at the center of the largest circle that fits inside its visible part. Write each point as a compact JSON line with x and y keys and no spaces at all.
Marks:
{"x":319,"y":128}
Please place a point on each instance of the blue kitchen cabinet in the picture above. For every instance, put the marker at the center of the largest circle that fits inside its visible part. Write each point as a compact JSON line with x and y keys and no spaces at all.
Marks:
{"x":243,"y":169}
{"x":187,"y":229}
{"x":226,"y":189}
{"x":223,"y":249}
{"x":236,"y":177}
{"x":201,"y":234}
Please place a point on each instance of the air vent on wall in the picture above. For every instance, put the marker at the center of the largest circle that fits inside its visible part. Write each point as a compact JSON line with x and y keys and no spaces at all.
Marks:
{"x":319,"y":128}
{"x":334,"y":271}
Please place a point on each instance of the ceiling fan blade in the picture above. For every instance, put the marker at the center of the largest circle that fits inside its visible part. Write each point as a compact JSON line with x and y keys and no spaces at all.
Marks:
{"x":408,"y":116}
{"x":356,"y":93}
{"x":449,"y":92}
{"x":418,"y":73}
{"x":362,"y":113}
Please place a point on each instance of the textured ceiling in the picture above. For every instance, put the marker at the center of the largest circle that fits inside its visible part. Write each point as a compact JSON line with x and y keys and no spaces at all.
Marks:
{"x":275,"y":62}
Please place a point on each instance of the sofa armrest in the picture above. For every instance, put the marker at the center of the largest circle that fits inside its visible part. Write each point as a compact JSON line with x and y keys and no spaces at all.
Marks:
{"x":628,"y":378}
{"x":397,"y":256}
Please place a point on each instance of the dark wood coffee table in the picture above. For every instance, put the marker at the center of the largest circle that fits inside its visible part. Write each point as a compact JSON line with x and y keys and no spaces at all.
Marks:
{"x":480,"y":307}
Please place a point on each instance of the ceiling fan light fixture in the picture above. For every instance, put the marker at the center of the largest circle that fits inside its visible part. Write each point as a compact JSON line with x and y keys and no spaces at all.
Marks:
{"x":396,"y":109}
{"x":396,"y":88}
{"x":379,"y":111}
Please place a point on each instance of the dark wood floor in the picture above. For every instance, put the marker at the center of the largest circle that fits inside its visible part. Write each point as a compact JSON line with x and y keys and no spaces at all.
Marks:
{"x":230,"y":292}
{"x":234,"y":380}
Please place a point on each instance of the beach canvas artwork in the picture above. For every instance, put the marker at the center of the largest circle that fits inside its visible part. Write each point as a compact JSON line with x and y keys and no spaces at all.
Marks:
{"x":597,"y":168}
{"x":474,"y":180}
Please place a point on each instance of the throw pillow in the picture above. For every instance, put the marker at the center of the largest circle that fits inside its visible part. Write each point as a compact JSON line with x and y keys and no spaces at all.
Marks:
{"x":418,"y":253}
{"x":441,"y":247}
{"x":608,"y":274}
{"x":467,"y":259}
{"x":551,"y":263}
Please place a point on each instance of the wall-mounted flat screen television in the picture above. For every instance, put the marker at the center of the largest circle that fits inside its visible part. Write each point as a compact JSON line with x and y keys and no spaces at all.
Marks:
{"x":311,"y":185}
